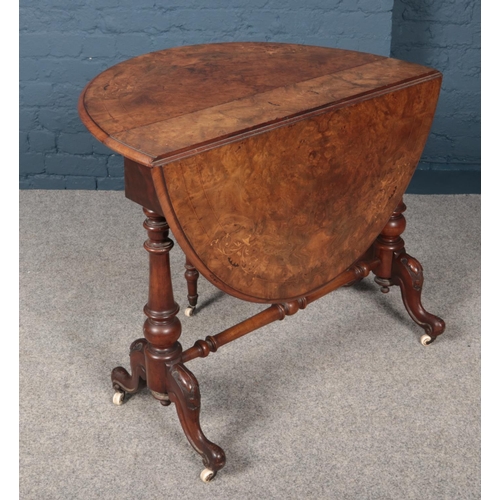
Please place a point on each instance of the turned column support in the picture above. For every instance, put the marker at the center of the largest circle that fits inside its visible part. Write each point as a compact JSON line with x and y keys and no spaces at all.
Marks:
{"x":162,"y":327}
{"x":389,"y":243}
{"x":157,"y":358}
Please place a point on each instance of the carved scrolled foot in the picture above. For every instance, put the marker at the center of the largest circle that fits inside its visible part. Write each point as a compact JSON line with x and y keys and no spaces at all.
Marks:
{"x":122,"y":381}
{"x":408,"y":275}
{"x":184,"y":391}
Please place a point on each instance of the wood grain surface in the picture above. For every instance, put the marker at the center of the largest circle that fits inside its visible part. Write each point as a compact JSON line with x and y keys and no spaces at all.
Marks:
{"x":275,"y":165}
{"x":164,"y":105}
{"x":277,"y":215}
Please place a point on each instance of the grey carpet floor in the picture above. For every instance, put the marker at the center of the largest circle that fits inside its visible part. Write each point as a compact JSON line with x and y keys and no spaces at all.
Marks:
{"x":337,"y":402}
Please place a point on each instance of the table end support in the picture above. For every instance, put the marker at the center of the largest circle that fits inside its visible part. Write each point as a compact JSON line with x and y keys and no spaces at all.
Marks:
{"x":157,"y":358}
{"x":399,"y":268}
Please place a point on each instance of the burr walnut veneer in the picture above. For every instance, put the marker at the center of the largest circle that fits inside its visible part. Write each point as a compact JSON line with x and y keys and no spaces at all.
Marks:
{"x":280,"y":170}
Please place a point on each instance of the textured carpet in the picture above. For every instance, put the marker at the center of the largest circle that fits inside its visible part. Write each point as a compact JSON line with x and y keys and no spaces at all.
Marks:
{"x":337,"y":402}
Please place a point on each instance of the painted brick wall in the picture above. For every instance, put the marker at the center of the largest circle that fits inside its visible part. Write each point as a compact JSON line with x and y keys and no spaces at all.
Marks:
{"x":65,"y":43}
{"x":445,"y":34}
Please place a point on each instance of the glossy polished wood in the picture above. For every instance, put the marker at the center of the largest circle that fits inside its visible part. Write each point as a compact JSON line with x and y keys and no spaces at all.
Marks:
{"x":307,"y":182}
{"x":289,"y":164}
{"x":162,"y":105}
{"x":191,"y":276}
{"x":142,"y":106}
{"x":280,"y":170}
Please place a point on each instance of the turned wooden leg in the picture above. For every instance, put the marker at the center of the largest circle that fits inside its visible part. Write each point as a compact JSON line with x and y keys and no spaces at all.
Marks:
{"x":398,"y":268}
{"x":157,"y":357}
{"x":191,"y":276}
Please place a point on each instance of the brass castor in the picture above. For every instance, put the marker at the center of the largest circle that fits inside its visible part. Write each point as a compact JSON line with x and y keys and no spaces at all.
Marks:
{"x":207,"y":475}
{"x":426,"y":339}
{"x":118,"y":398}
{"x":189,"y":311}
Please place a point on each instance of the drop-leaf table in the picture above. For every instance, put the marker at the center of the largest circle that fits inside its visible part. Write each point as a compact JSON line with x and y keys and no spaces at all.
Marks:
{"x":280,"y":170}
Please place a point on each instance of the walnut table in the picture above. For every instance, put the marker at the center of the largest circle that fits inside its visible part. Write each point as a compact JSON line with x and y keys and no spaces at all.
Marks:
{"x":280,"y":170}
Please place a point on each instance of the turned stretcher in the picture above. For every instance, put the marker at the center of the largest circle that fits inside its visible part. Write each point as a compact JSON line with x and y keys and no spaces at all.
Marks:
{"x":280,"y":170}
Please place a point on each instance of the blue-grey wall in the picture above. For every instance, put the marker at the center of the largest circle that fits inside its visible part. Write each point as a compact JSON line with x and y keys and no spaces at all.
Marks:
{"x":445,"y":34}
{"x":65,"y":43}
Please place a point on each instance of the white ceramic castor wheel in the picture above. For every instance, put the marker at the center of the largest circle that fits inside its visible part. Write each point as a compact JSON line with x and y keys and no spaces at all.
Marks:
{"x":189,"y":311}
{"x":118,"y":398}
{"x":207,"y":475}
{"x":426,"y":339}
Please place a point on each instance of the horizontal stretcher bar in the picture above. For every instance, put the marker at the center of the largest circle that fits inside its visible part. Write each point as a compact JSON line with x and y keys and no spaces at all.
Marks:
{"x":202,"y":348}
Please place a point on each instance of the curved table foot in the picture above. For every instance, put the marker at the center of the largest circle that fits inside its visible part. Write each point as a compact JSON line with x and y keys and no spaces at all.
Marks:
{"x":184,"y":391}
{"x":398,"y":268}
{"x":408,"y":274}
{"x":122,"y":381}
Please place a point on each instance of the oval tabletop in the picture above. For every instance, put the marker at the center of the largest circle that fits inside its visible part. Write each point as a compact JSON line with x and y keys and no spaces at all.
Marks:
{"x":276,"y":165}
